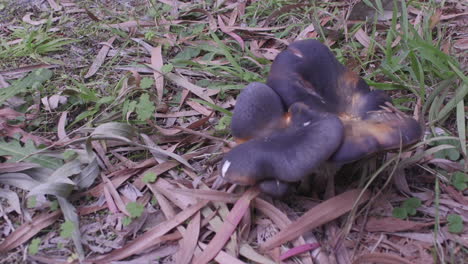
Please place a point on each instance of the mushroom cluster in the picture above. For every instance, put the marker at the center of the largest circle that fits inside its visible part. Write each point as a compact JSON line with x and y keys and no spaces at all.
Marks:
{"x":311,"y":110}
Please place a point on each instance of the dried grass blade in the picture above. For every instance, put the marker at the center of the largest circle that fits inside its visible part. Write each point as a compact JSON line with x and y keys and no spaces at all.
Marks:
{"x":317,"y":216}
{"x":229,"y":225}
{"x":190,"y":240}
{"x":157,"y":63}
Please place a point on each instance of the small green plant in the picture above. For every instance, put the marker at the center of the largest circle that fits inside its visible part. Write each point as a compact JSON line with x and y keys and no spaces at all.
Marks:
{"x":149,"y":177}
{"x":135,"y":210}
{"x":408,"y":208}
{"x":460,"y":180}
{"x":34,"y":246}
{"x":66,"y":229}
{"x":455,"y":223}
{"x":54,"y":205}
{"x":36,"y":42}
{"x":145,"y":108}
{"x":146,"y":83}
{"x":31,"y":202}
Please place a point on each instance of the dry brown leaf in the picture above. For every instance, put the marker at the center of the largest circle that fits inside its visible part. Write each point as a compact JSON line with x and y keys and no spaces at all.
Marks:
{"x":16,"y":167}
{"x":199,"y":108}
{"x":454,"y":194}
{"x":109,"y":201}
{"x":362,"y":37}
{"x":61,"y":133}
{"x":52,"y":102}
{"x":317,"y":216}
{"x":392,"y":224}
{"x":101,"y":56}
{"x":381,"y":258}
{"x":157,"y":63}
{"x":223,"y":257}
{"x":115,"y":196}
{"x":153,"y":236}
{"x":190,"y":240}
{"x":28,"y":230}
{"x":461,"y":44}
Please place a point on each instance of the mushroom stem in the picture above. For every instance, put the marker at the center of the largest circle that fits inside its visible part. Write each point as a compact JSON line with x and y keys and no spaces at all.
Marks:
{"x":322,"y":178}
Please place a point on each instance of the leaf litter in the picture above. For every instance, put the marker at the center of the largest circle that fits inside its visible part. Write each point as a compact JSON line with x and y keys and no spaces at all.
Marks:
{"x":198,"y":223}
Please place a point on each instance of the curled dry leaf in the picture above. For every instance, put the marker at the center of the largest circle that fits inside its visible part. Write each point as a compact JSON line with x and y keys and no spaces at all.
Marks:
{"x":61,"y":133}
{"x":99,"y":60}
{"x":27,"y":19}
{"x":362,"y":37}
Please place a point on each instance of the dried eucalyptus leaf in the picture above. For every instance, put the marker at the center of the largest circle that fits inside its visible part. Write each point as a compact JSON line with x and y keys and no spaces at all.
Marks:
{"x":114,"y":129}
{"x":16,"y":167}
{"x":19,"y":180}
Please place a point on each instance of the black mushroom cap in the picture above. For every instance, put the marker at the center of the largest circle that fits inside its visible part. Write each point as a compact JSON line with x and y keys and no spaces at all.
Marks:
{"x":287,"y":154}
{"x":333,"y":116}
{"x":308,"y":72}
{"x":258,"y":111}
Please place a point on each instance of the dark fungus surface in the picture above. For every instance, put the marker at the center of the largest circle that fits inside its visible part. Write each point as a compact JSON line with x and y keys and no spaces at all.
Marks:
{"x":332,"y":116}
